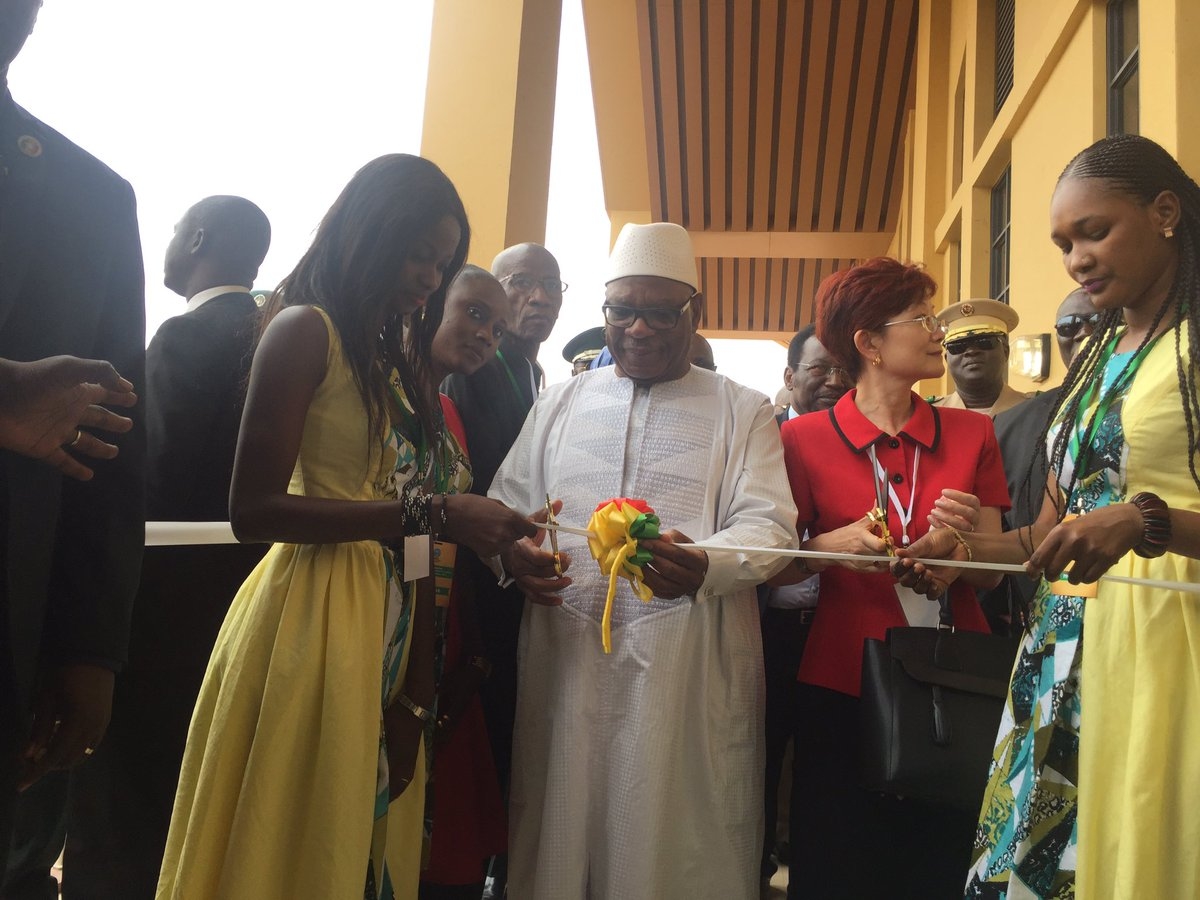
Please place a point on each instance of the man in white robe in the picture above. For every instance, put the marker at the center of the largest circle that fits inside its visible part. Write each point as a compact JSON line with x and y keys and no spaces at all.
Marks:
{"x":639,"y":774}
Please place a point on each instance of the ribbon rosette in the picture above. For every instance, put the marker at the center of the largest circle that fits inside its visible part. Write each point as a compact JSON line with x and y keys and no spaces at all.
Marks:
{"x":617,"y":526}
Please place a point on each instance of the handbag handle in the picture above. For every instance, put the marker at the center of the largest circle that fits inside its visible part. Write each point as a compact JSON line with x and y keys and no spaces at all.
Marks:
{"x":945,"y":653}
{"x":945,"y":656}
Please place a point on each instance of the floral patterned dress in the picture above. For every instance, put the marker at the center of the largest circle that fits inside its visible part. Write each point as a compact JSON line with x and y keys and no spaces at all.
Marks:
{"x":1025,"y":844}
{"x":401,"y":834}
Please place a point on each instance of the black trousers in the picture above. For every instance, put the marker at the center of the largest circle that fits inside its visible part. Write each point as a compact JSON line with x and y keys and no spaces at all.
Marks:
{"x":850,"y":844}
{"x":14,"y":732}
{"x":784,"y":634}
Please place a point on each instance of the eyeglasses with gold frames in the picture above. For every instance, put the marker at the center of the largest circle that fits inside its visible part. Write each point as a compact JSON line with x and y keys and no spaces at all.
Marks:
{"x":932,"y":324}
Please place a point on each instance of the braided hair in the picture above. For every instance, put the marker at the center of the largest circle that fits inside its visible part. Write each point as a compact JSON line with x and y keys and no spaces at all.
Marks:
{"x":1141,"y":169}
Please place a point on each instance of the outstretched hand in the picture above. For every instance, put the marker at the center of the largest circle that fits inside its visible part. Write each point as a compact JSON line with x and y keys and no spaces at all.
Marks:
{"x":676,"y":570}
{"x":955,"y":509}
{"x":933,"y":581}
{"x":532,"y":566}
{"x":859,"y":538}
{"x":1090,"y":544}
{"x":71,"y":713}
{"x":46,"y":404}
{"x":486,"y":526}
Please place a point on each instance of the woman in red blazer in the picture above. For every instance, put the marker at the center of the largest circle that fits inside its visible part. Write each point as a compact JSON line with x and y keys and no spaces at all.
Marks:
{"x":930,"y":466}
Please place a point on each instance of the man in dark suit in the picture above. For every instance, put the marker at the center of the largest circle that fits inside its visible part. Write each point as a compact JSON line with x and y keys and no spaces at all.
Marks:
{"x":70,"y":551}
{"x":196,"y":371}
{"x":813,"y":382}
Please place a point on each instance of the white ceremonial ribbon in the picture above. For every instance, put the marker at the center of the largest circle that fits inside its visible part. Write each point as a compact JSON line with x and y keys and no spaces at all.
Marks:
{"x":171,"y":534}
{"x":1185,"y":587}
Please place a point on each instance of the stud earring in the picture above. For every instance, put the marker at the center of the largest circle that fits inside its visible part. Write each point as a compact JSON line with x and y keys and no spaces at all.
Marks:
{"x":1168,"y":232}
{"x":876,"y":360}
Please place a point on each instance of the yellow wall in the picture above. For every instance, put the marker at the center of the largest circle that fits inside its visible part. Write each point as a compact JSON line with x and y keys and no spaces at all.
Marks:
{"x":1061,"y":121}
{"x":1056,"y":108}
{"x":489,"y":114}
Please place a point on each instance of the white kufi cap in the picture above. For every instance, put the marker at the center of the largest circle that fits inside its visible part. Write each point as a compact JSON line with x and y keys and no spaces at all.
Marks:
{"x":662,"y":249}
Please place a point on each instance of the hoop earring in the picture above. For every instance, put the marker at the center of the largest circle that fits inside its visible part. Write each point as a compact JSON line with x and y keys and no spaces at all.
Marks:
{"x":1168,"y":232}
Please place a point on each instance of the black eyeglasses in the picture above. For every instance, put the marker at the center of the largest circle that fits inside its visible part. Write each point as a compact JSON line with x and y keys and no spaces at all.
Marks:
{"x":526,"y":284}
{"x":983,"y":342}
{"x":659,"y":318}
{"x":1069,"y":326}
{"x":822,"y":372}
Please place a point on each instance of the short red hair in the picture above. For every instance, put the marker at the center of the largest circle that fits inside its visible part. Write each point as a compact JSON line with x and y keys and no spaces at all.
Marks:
{"x":864,"y":297}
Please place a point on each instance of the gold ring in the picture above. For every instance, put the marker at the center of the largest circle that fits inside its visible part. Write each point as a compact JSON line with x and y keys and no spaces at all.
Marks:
{"x":88,"y":751}
{"x":78,"y":438}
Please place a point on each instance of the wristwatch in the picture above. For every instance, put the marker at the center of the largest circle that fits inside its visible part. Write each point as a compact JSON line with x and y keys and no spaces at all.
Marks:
{"x":416,"y":709}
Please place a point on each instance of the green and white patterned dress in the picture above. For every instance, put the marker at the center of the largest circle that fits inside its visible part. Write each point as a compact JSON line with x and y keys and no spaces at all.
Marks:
{"x":1026,"y":841}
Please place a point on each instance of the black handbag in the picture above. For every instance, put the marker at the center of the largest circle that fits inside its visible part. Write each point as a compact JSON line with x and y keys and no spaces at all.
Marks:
{"x":930,"y":706}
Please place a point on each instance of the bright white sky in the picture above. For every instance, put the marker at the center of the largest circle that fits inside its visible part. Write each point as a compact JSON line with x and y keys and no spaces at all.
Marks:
{"x":282,"y":102}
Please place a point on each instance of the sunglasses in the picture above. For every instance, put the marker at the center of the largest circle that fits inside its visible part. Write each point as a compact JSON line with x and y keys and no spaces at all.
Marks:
{"x":983,"y":342}
{"x":1069,"y":326}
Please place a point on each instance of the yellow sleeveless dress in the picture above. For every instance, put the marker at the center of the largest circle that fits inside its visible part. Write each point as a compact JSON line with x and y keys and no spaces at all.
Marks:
{"x":277,"y":789}
{"x":1139,"y":754}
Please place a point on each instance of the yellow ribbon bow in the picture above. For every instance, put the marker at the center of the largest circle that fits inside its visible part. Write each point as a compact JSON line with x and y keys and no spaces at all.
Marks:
{"x":616,"y":526}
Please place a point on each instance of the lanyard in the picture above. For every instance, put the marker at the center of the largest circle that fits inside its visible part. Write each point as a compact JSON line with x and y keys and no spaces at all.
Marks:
{"x":1082,"y":447}
{"x":512,"y":378}
{"x":439,"y":466}
{"x":905,"y":515}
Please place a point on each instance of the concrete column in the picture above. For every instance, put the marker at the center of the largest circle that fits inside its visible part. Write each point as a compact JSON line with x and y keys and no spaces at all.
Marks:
{"x":489,"y":113}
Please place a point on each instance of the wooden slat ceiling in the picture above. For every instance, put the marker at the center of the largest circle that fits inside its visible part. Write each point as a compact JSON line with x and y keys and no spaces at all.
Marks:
{"x":775,"y":116}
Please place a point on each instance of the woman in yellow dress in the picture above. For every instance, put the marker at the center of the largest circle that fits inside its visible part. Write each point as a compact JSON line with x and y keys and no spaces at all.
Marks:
{"x":314,"y":697}
{"x":1097,"y":764}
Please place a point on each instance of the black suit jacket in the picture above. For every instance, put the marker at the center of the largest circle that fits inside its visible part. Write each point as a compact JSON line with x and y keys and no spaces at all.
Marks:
{"x":196,"y":372}
{"x":493,"y":404}
{"x":70,"y":282}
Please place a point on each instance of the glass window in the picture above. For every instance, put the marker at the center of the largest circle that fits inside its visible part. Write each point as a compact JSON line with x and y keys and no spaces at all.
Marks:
{"x":1006,"y":19}
{"x":1001,"y":214}
{"x":1122,"y":67}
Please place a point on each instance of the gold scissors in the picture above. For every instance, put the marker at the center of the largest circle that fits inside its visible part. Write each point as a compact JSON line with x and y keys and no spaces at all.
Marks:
{"x":878,"y":516}
{"x":551,"y":520}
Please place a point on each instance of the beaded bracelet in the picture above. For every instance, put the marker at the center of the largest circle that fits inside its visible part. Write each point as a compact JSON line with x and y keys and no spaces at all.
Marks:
{"x":416,"y":508}
{"x":1156,"y":525}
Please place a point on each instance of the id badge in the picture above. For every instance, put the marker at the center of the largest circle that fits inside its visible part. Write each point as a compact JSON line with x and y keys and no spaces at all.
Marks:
{"x":444,"y":553}
{"x":416,"y":556}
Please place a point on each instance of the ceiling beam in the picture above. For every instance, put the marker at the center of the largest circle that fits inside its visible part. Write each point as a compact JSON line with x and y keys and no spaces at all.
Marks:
{"x":790,"y":244}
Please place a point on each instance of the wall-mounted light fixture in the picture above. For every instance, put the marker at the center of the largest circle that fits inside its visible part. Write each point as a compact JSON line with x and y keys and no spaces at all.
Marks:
{"x":1030,"y":356}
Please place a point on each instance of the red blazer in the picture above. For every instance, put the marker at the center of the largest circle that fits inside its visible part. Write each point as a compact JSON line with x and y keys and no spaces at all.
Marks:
{"x":830,"y":474}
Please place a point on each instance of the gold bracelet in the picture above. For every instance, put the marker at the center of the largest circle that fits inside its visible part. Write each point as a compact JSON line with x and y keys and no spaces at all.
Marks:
{"x":963,"y":541}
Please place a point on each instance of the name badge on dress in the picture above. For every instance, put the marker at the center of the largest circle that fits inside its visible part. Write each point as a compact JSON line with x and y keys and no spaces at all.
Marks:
{"x":416,"y":556}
